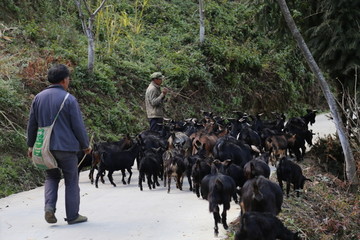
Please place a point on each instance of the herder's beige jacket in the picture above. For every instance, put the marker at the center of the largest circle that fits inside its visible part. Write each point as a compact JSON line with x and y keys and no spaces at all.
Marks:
{"x":154,"y":101}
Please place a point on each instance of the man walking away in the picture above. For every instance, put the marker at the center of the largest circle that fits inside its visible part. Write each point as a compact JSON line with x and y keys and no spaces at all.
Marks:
{"x":69,"y":136}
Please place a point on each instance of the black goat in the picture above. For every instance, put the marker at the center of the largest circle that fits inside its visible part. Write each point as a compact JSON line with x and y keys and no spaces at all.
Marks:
{"x":263,"y":226}
{"x":101,"y":147}
{"x":256,"y":168}
{"x":234,"y":171}
{"x":149,"y":167}
{"x":290,"y":172}
{"x":218,"y":189}
{"x":115,"y":160}
{"x":261,"y":195}
{"x":200,"y":169}
{"x":229,"y":148}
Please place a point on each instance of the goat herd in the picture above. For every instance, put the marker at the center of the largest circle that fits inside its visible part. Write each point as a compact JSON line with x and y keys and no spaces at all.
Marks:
{"x":223,"y":159}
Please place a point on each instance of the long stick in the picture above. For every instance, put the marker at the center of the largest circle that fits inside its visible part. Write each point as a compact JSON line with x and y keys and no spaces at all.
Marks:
{"x":177,"y":93}
{"x":91,"y":139}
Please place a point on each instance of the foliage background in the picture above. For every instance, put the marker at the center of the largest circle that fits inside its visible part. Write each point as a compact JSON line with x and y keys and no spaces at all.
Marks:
{"x":240,"y":66}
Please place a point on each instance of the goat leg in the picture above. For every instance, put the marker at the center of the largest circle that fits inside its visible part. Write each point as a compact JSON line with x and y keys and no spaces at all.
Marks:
{"x":149,"y":182}
{"x":235,"y":197}
{"x":123,"y":176}
{"x":179,"y":182}
{"x":287,"y":188}
{"x":190,"y":182}
{"x":140,"y":181}
{"x":97,"y":180}
{"x":111,"y":179}
{"x":217,"y":220}
{"x":197,"y":189}
{"x":102,"y":177}
{"x":153,"y":181}
{"x":223,"y":219}
{"x":130,"y":174}
{"x":169,"y":182}
{"x":156,"y":180}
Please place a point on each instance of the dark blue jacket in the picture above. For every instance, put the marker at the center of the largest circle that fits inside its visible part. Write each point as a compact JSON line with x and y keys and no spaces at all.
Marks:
{"x":69,"y":133}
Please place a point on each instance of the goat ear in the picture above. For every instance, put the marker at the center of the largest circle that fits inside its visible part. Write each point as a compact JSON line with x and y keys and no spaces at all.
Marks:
{"x":218,"y":182}
{"x":296,"y":236}
{"x":214,"y":169}
{"x":216,"y":161}
{"x":308,"y":179}
{"x":258,"y":196}
{"x":252,"y":168}
{"x":197,"y":163}
{"x":198,"y":144}
{"x":227,"y":162}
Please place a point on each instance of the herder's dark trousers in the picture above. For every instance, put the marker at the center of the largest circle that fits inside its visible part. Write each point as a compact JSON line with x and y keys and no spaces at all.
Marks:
{"x":154,"y":126}
{"x":67,"y":162}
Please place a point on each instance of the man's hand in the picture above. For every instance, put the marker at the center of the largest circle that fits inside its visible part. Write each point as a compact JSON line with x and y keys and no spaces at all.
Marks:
{"x":87,"y":150}
{"x":165,"y":90}
{"x":29,"y":152}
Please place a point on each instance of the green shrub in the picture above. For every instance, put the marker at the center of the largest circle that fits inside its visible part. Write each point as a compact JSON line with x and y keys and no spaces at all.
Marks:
{"x":17,"y":174}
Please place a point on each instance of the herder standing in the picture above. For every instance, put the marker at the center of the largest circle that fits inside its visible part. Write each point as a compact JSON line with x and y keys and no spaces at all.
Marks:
{"x":154,"y":101}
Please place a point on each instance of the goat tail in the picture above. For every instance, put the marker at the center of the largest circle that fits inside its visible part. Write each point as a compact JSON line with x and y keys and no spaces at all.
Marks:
{"x":212,"y":206}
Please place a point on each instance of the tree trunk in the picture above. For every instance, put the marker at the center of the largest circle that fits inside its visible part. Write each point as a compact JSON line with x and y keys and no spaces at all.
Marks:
{"x":91,"y":45}
{"x":202,"y":24}
{"x":349,"y":157}
{"x":88,"y":30}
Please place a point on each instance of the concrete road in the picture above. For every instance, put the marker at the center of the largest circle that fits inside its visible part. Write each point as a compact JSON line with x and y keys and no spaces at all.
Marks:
{"x":323,"y":126}
{"x":122,"y":212}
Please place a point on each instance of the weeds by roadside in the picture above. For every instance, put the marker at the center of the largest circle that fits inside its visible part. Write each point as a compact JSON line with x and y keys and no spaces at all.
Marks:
{"x":17,"y":174}
{"x":327,"y":208}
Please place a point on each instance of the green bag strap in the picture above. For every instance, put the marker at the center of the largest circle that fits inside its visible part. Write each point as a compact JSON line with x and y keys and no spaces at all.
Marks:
{"x":61,"y":107}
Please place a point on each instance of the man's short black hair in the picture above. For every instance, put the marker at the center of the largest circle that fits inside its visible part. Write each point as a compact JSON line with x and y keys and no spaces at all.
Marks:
{"x":57,"y":73}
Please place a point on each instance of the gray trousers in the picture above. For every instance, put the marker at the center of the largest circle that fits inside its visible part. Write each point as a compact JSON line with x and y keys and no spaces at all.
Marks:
{"x":67,"y":162}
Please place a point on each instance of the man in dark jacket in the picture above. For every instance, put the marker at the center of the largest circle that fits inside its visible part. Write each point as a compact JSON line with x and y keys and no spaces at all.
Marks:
{"x":68,"y":136}
{"x":154,"y":101}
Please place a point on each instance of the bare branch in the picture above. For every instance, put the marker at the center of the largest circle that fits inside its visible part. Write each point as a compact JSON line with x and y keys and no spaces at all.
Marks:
{"x":87,"y":7}
{"x":81,"y":15}
{"x":98,"y":9}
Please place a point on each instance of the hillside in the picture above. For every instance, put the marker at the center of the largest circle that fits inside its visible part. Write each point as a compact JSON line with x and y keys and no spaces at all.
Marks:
{"x":238,"y":67}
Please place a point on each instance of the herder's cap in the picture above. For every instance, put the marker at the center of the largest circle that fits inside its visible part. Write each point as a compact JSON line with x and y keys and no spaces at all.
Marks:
{"x":156,"y":75}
